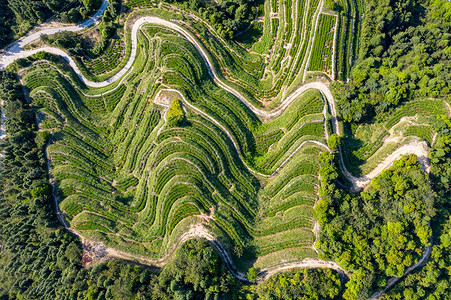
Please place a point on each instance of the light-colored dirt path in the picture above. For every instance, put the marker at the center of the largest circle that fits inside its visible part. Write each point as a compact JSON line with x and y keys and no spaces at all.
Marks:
{"x":416,"y":147}
{"x":420,"y":149}
{"x":16,"y":51}
{"x":334,"y":47}
{"x":199,"y":231}
{"x":233,"y":139}
{"x":307,"y":263}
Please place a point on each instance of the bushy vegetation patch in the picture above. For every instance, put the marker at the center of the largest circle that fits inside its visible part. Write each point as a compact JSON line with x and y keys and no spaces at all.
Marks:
{"x":386,"y":76}
{"x":398,"y":208}
{"x":19,"y":16}
{"x":300,"y":284}
{"x":433,"y":279}
{"x":175,"y":115}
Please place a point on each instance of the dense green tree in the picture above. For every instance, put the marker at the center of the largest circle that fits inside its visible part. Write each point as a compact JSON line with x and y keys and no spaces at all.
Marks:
{"x":17,"y":17}
{"x":404,"y":50}
{"x":41,"y":191}
{"x":330,"y":4}
{"x":252,"y":274}
{"x":433,"y":280}
{"x":334,"y":141}
{"x":175,"y":115}
{"x":300,"y":284}
{"x":382,"y":231}
{"x":227,"y":17}
{"x":198,"y":271}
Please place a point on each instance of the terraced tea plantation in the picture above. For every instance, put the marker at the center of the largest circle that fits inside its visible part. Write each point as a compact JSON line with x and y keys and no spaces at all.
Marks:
{"x":308,"y":134}
{"x":108,"y":60}
{"x":127,"y":175}
{"x":371,"y":143}
{"x":322,"y":52}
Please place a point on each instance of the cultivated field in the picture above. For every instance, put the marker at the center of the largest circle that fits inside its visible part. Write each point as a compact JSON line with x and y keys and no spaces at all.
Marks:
{"x":124,"y":176}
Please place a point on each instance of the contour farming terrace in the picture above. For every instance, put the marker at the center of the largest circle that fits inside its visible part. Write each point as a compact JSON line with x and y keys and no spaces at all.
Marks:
{"x":236,"y":160}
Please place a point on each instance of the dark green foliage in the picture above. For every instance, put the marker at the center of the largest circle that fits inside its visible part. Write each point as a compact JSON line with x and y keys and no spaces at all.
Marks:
{"x":41,"y":191}
{"x":72,"y":42}
{"x":28,"y":228}
{"x":197,"y":271}
{"x":382,"y":231}
{"x":434,"y":278}
{"x":41,"y":55}
{"x":107,"y":29}
{"x":64,"y":39}
{"x":334,"y":141}
{"x":73,"y":252}
{"x":108,"y":26}
{"x":404,"y":53}
{"x":301,"y":284}
{"x":227,"y":17}
{"x":19,"y":16}
{"x":175,"y":115}
{"x":330,"y":4}
{"x":251,"y":35}
{"x":252,"y":274}
{"x":39,"y":260}
{"x":24,"y":163}
{"x":376,"y":234}
{"x":6,"y":22}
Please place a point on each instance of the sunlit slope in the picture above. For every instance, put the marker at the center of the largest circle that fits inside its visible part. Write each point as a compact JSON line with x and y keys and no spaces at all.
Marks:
{"x":127,"y":178}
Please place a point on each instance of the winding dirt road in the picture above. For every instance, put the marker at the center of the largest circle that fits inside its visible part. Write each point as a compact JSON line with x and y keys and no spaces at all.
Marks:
{"x":16,"y":51}
{"x":233,"y":139}
{"x":392,"y":281}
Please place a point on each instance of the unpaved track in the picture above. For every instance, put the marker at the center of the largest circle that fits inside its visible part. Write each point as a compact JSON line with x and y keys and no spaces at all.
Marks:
{"x":307,"y":263}
{"x":420,"y":149}
{"x":334,"y":46}
{"x":233,"y":139}
{"x":16,"y":51}
{"x":392,"y":281}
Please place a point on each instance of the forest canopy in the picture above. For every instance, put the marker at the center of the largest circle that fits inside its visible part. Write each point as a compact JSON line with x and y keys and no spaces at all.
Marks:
{"x":227,"y":17}
{"x":39,"y":259}
{"x":404,"y":53}
{"x":380,"y":232}
{"x":17,"y":17}
{"x":399,"y":224}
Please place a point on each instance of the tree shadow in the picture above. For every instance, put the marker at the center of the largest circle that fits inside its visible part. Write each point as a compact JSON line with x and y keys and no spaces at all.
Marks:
{"x":349,"y":144}
{"x":125,"y":200}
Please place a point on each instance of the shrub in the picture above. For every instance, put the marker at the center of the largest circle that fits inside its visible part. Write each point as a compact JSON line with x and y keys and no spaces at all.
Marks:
{"x":334,"y":142}
{"x":42,"y":190}
{"x":252,"y":274}
{"x":175,"y":115}
{"x":330,"y":4}
{"x":73,"y":252}
{"x":41,"y":55}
